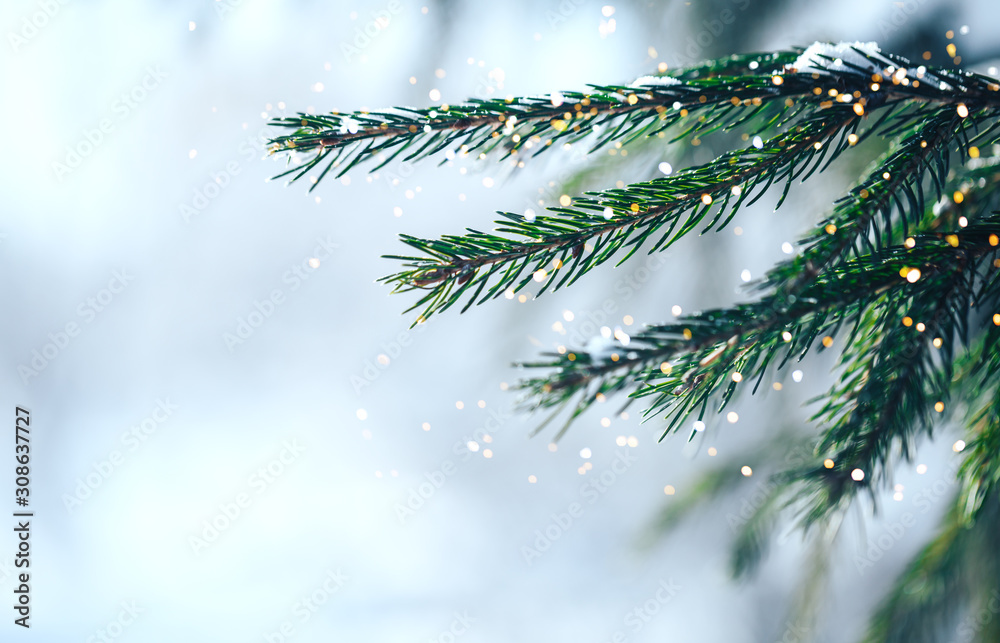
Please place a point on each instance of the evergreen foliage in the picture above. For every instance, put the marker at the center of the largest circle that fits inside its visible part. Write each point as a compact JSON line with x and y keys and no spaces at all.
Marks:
{"x":902,"y":275}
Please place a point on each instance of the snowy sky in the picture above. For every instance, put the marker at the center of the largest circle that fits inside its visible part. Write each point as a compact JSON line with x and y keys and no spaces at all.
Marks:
{"x":137,"y":233}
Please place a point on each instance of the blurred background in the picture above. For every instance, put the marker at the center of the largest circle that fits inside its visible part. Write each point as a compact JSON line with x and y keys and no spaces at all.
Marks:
{"x":236,"y":435}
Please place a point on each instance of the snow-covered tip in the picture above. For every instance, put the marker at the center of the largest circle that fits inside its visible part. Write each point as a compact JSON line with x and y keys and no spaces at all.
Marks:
{"x":812,"y":59}
{"x":603,"y":349}
{"x":655,"y":81}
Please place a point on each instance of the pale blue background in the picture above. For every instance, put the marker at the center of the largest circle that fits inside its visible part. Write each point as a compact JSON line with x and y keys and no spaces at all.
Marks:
{"x":161,"y":338}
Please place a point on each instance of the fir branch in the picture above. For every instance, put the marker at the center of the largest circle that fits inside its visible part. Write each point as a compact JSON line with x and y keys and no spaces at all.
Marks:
{"x":560,"y":247}
{"x":685,"y":365}
{"x":898,"y":370}
{"x":596,"y":227}
{"x":980,"y":473}
{"x":892,"y":197}
{"x":620,"y":112}
{"x":510,"y":126}
{"x":937,"y":254}
{"x":893,"y":379}
{"x":904,"y":282}
{"x":346,"y":140}
{"x":979,"y":373}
